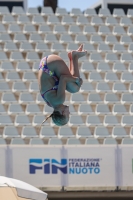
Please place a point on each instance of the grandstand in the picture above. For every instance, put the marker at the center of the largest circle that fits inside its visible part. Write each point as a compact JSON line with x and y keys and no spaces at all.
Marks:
{"x":102,"y":111}
{"x":104,"y":101}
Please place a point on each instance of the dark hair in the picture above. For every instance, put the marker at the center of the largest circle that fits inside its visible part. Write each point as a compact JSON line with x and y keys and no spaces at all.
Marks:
{"x":58,"y":119}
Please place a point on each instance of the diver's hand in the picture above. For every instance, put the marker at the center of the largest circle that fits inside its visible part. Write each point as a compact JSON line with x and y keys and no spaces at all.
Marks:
{"x":79,"y":81}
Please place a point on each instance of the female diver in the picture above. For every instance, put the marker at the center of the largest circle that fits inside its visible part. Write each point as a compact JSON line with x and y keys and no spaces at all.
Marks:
{"x":54,"y":78}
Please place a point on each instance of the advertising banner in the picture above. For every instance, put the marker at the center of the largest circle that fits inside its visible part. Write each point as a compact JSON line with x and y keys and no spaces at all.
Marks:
{"x":126,"y":167}
{"x":33,"y":165}
{"x":68,"y":166}
{"x":92,"y":167}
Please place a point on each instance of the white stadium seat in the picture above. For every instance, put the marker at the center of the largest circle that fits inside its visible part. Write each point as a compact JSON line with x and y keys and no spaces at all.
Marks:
{"x":14,"y":28}
{"x":89,"y":29}
{"x":8,"y":19}
{"x":111,"y":77}
{"x":95,"y":77}
{"x":54,"y":141}
{"x":109,"y":141}
{"x":126,"y":58}
{"x":90,"y":12}
{"x":22,"y":120}
{"x":102,"y":109}
{"x":65,"y":132}
{"x":52,"y":20}
{"x":43,"y":29}
{"x":118,"y":30}
{"x":25,"y":98}
{"x":18,"y":10}
{"x":103,"y":48}
{"x":126,"y":141}
{"x":110,"y":120}
{"x":10,"y":46}
{"x":104,"y":30}
{"x":46,"y":11}
{"x":75,"y":12}
{"x":67,"y":20}
{"x":61,"y":12}
{"x":34,"y":87}
{"x":19,"y":37}
{"x":127,"y":98}
{"x":87,"y":67}
{"x":4,"y":87}
{"x":83,"y":132}
{"x":25,"y":47}
{"x":47,"y":132}
{"x":119,"y":88}
{"x":85,"y":109}
{"x":126,"y":40}
{"x":111,"y":39}
{"x":74,"y":29}
{"x":23,"y":19}
{"x":19,"y":87}
{"x":38,"y":119}
{"x":91,"y":141}
{"x":28,"y":77}
{"x":36,"y":141}
{"x":5,"y":120}
{"x":16,"y":56}
{"x":104,"y":12}
{"x":32,"y":11}
{"x":119,"y":48}
{"x":81,"y":20}
{"x":94,"y":98}
{"x":77,"y":98}
{"x":76,"y":120}
{"x":95,"y":57}
{"x":127,"y":121}
{"x":32,"y":109}
{"x":103,"y":67}
{"x":86,"y":87}
{"x":10,"y":132}
{"x":15,"y":109}
{"x":28,"y":132}
{"x":35,"y":37}
{"x":28,"y":29}
{"x":119,"y":109}
{"x":118,"y":12}
{"x":102,"y":87}
{"x":119,"y":67}
{"x":59,"y":29}
{"x":4,"y":10}
{"x":93,"y":120}
{"x":101,"y":132}
{"x":5,"y":37}
{"x":37,"y":20}
{"x":32,"y":57}
{"x":111,"y":98}
{"x":111,"y":21}
{"x":17,"y":141}
{"x":125,"y":21}
{"x":22,"y":67}
{"x":96,"y":21}
{"x":73,"y":141}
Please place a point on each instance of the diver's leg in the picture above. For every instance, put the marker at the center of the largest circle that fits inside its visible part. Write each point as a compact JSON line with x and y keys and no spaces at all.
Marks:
{"x":73,"y":57}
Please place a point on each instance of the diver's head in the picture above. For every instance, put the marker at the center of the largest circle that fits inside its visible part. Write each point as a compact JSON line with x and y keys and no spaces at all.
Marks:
{"x":60,"y":116}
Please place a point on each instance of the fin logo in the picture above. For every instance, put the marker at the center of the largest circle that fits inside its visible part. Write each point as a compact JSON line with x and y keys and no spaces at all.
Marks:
{"x":48,"y":166}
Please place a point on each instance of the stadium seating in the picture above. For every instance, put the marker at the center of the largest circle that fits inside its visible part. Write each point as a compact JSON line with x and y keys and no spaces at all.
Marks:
{"x":105,"y":97}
